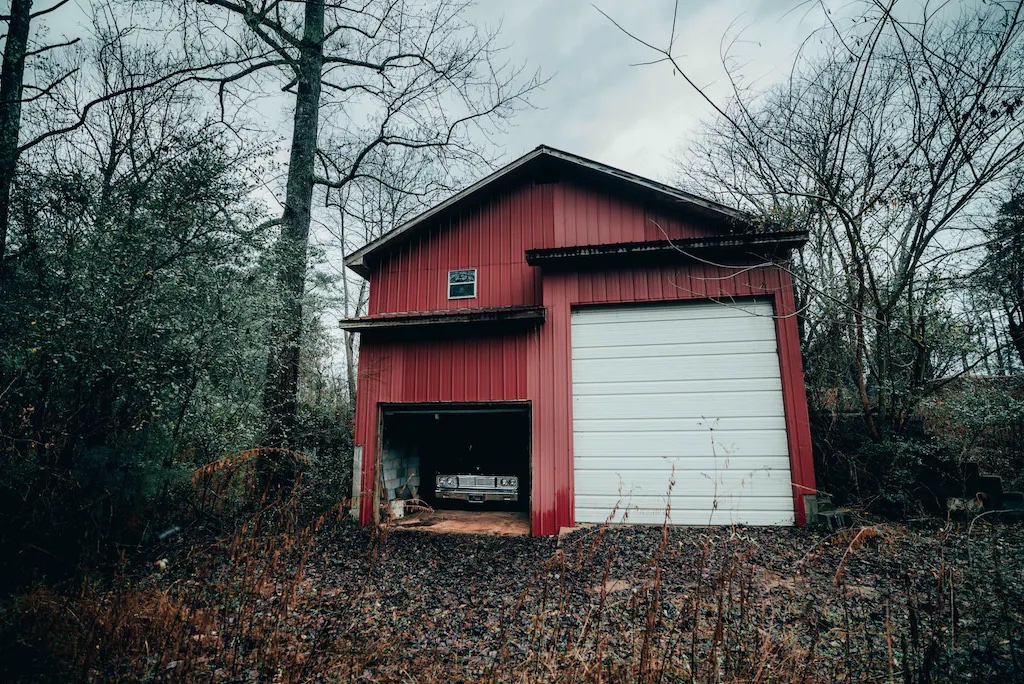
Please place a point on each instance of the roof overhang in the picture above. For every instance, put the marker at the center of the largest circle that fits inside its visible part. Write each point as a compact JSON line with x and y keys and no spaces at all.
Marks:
{"x":733,"y":247}
{"x":431,"y":323}
{"x":547,"y":162}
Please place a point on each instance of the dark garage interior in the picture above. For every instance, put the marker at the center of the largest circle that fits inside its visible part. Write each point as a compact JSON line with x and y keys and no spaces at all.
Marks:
{"x":424,"y":441}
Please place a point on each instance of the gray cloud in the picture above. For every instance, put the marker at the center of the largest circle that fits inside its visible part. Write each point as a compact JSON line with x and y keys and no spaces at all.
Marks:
{"x":634,"y":117}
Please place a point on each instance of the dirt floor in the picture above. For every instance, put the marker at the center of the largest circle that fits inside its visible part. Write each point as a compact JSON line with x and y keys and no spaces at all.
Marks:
{"x":466,"y":522}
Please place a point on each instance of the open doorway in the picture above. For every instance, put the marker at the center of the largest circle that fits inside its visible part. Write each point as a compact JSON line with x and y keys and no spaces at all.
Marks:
{"x":469,"y":457}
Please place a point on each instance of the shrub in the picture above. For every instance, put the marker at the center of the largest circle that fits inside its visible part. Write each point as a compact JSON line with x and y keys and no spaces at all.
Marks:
{"x":909,"y":473}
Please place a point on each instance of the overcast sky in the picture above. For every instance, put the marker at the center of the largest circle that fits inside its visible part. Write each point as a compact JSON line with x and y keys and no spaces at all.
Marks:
{"x":635,"y":117}
{"x":596,"y":104}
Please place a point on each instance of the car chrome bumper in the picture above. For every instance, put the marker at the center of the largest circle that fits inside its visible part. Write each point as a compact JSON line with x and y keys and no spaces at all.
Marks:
{"x":477,"y":495}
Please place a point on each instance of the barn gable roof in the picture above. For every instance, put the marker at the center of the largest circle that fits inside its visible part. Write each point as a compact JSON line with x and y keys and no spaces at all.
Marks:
{"x":539,"y":162}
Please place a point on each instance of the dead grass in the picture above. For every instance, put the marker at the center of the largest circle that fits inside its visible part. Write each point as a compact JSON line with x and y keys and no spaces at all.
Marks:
{"x":284,"y":601}
{"x":231,"y":616}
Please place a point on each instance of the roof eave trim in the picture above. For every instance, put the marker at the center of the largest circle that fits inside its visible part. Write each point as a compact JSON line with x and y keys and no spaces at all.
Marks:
{"x":453,"y":317}
{"x":751,"y":244}
{"x":710,"y":206}
{"x":357,"y":260}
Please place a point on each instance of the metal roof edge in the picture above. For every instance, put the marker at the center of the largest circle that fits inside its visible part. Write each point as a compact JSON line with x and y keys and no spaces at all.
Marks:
{"x":632,"y":254}
{"x":785,"y":239}
{"x":447,"y":317}
{"x":357,"y":259}
{"x":667,"y":190}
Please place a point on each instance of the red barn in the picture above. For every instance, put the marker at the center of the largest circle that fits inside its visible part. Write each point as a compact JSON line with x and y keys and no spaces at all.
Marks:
{"x":625,"y":350}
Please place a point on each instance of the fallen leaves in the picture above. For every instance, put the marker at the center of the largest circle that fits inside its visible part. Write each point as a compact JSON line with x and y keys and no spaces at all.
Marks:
{"x":722,"y":605}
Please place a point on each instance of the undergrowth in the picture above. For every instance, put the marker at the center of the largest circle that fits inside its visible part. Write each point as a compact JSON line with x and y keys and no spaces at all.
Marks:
{"x":276,"y":601}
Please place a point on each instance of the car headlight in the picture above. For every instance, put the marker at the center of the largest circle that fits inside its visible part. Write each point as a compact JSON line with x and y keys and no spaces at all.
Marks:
{"x":453,"y":481}
{"x":503,"y":482}
{"x":513,"y":482}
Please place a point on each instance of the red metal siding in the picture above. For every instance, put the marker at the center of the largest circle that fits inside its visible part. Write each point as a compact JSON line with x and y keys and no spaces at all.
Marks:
{"x":553,"y":445}
{"x":490,"y":238}
{"x":794,"y":394}
{"x":454,"y":370}
{"x":536,"y":366}
{"x":494,"y":236}
{"x":584,"y":216}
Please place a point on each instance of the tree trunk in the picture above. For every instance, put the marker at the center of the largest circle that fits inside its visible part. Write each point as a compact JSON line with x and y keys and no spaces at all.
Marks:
{"x":1016,"y":331}
{"x":280,"y":392}
{"x":350,"y":367}
{"x":860,"y":341}
{"x":1002,"y":366}
{"x":862,"y":386}
{"x":12,"y":78}
{"x":347,"y":337}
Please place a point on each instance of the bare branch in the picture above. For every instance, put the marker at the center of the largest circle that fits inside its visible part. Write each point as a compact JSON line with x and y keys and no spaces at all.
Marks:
{"x":52,"y":8}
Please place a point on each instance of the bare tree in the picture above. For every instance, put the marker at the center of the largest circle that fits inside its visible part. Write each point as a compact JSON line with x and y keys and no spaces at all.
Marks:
{"x":888,"y":134}
{"x":49,"y":89}
{"x":404,"y":183}
{"x":365,"y":79}
{"x":17,"y":51}
{"x":1002,"y":273}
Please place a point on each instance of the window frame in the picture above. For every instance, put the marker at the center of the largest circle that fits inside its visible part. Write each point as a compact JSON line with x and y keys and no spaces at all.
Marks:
{"x":474,"y":283}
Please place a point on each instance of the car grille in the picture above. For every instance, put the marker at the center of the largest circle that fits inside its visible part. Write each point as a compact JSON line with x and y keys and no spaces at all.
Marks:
{"x":477,"y":481}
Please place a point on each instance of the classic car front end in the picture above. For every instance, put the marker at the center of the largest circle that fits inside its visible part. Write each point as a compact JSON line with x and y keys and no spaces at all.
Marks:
{"x":477,"y":488}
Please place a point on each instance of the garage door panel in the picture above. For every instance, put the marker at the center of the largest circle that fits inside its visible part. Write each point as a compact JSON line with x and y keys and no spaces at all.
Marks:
{"x":609,"y":459}
{"x":655,"y":483}
{"x":762,"y":365}
{"x":696,"y":443}
{"x":759,"y":445}
{"x":720,"y":516}
{"x":676,"y":386}
{"x":677,"y":424}
{"x":668,"y":332}
{"x":698,"y":311}
{"x":680,"y":502}
{"x":708,"y":404}
{"x":662,"y":351}
{"x":690,"y":393}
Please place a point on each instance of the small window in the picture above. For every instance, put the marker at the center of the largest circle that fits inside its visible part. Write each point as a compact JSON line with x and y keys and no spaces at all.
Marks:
{"x":462,"y":284}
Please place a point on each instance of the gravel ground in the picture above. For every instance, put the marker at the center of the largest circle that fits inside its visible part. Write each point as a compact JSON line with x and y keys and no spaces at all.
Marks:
{"x":874,"y":603}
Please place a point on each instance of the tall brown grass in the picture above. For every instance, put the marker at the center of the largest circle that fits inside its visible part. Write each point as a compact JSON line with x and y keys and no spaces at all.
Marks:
{"x":245,"y":607}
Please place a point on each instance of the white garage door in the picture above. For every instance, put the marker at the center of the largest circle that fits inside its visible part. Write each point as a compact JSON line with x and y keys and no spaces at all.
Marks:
{"x":678,"y":407}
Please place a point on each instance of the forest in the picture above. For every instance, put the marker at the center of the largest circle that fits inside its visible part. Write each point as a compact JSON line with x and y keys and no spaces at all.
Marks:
{"x":176,"y":399}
